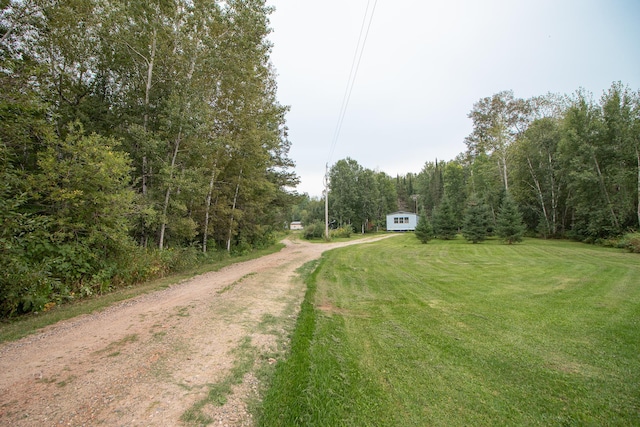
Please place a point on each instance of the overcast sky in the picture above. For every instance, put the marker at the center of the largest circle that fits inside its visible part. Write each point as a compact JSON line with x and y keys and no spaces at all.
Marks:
{"x":426,"y":63}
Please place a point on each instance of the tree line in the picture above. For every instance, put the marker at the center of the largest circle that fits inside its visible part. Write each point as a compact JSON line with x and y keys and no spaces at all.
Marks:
{"x":133,"y":135}
{"x":571,"y":164}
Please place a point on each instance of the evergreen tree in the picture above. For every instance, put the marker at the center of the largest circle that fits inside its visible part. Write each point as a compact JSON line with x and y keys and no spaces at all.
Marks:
{"x":509,"y":225}
{"x":424,"y":230}
{"x":476,"y":220}
{"x":444,"y":221}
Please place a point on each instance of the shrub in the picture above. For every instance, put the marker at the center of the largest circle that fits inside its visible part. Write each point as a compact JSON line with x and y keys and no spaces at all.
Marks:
{"x":341,"y":232}
{"x":25,"y":288}
{"x":315,"y":230}
{"x":631,"y":242}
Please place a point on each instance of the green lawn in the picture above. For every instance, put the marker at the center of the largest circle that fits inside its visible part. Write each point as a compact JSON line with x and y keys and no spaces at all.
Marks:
{"x":397,"y":333}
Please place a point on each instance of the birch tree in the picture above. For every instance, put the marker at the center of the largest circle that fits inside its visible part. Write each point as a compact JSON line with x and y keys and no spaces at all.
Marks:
{"x":497,"y":122}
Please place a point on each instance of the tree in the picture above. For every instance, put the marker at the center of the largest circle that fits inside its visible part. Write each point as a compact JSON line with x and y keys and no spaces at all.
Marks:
{"x":369,"y":195}
{"x":540,"y":181}
{"x":430,"y":185}
{"x":599,"y":161}
{"x":497,"y":121}
{"x":509,"y":225}
{"x":485,"y":182}
{"x":84,"y":189}
{"x":444,"y":221}
{"x":455,"y":186}
{"x":619,"y":117}
{"x":175,"y":99}
{"x":424,"y":230}
{"x":387,"y":197}
{"x":636,"y":143}
{"x":359,"y":197}
{"x":476,"y":220}
{"x":343,"y":191}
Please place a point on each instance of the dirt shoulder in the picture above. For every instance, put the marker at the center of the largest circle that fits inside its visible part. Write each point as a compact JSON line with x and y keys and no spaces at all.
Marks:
{"x":148,"y":360}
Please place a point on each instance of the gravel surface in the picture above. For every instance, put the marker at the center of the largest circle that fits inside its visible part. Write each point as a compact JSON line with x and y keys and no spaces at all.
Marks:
{"x":148,"y":360}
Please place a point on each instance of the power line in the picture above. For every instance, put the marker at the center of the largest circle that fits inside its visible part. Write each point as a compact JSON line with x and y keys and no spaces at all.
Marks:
{"x":355,"y":65}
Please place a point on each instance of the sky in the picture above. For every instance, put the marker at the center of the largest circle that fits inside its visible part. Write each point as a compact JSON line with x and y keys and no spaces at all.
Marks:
{"x":425,"y":63}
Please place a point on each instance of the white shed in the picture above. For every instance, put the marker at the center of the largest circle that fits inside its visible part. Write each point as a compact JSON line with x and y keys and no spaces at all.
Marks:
{"x":402,"y":221}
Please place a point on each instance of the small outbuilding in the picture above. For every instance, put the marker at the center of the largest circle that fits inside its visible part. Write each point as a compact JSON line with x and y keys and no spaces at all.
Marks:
{"x":296,"y":225}
{"x":402,"y":221}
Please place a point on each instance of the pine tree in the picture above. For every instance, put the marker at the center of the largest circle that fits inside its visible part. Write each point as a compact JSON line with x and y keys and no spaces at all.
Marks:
{"x":444,"y":221}
{"x":424,"y":230}
{"x":509,"y":225}
{"x":476,"y":221}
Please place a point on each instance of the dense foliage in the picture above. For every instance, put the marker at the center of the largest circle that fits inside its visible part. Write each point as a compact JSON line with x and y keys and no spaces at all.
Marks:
{"x":360,"y":198}
{"x":570,"y":163}
{"x":128,"y":128}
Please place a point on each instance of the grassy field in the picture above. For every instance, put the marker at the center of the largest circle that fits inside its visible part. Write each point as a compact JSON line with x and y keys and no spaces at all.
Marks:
{"x":397,"y":333}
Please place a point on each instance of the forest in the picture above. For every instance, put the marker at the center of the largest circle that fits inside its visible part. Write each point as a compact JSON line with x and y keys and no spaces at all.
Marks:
{"x":136,"y":137}
{"x":570,"y":162}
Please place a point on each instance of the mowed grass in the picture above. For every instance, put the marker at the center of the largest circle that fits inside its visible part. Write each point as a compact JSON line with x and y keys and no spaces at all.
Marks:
{"x":396,"y":333}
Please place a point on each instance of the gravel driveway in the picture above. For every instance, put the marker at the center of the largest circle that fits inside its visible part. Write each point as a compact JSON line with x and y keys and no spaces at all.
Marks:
{"x":148,"y":360}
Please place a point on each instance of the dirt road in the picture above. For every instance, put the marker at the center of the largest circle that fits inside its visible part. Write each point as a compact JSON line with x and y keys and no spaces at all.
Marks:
{"x":148,"y":360}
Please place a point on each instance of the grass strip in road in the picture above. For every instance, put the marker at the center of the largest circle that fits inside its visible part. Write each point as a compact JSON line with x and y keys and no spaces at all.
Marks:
{"x":451,"y":333}
{"x":217,"y":392}
{"x":284,"y":403}
{"x":319,"y":364}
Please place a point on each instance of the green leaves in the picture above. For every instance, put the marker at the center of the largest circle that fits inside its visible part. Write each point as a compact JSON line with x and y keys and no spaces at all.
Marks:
{"x":133,"y":121}
{"x":599,"y":158}
{"x":359,"y":197}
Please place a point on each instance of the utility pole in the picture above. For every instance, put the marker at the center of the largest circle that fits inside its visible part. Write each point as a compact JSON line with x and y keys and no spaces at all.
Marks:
{"x":326,"y":203}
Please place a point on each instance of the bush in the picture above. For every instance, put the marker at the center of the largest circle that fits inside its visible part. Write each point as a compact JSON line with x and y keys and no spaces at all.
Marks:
{"x":341,"y":232}
{"x":315,"y":230}
{"x":631,"y":242}
{"x":25,"y":287}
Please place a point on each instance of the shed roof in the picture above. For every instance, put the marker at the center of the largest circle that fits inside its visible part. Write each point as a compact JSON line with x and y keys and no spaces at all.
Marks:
{"x":402,"y":213}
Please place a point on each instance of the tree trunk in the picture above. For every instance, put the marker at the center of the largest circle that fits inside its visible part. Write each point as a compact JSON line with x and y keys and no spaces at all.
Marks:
{"x":540,"y":194}
{"x":167,"y":195}
{"x":554,"y":199}
{"x":147,"y":93}
{"x":208,"y":210}
{"x":504,"y":171}
{"x":233,"y":208}
{"x":175,"y":152}
{"x":614,"y":218}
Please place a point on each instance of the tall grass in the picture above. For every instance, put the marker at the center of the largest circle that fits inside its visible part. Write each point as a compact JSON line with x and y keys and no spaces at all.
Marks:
{"x":450,"y":333}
